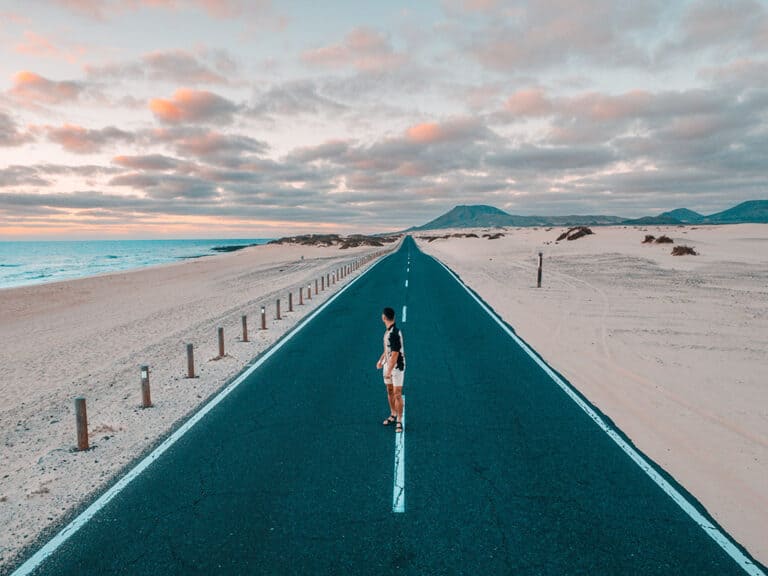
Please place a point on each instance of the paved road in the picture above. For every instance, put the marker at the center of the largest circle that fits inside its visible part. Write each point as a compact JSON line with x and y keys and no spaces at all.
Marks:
{"x":293,"y":473}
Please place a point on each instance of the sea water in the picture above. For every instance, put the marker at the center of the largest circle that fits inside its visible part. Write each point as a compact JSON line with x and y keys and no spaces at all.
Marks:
{"x":26,"y":263}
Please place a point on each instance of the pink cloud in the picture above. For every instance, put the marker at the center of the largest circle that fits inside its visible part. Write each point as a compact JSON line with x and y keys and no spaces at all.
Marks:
{"x":82,"y":140}
{"x":148,"y":162}
{"x":363,"y":49}
{"x":102,"y":9}
{"x":36,"y":45}
{"x":33,"y":88}
{"x":602,"y":107}
{"x":189,"y":105}
{"x":712,"y":22}
{"x":464,"y":129}
{"x":530,"y":102}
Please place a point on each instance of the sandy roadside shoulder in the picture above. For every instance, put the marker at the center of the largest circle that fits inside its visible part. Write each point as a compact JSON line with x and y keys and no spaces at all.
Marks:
{"x":88,"y":337}
{"x":671,"y":348}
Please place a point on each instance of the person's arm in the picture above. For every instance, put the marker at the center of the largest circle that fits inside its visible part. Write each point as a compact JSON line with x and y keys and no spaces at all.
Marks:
{"x":380,"y":363}
{"x":392,"y":362}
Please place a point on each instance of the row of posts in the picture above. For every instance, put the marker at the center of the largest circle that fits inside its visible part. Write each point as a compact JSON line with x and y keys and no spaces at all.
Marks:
{"x":81,"y":415}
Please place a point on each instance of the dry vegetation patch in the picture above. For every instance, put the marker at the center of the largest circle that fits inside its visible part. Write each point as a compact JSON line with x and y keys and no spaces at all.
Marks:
{"x":684,"y":251}
{"x":575,"y":233}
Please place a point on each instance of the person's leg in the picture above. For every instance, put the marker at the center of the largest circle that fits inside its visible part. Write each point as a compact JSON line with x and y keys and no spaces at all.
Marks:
{"x":397,"y":381}
{"x":391,"y":401}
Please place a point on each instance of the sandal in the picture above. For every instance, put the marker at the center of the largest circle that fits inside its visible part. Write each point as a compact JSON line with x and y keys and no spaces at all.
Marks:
{"x":399,"y":427}
{"x":390,"y":420}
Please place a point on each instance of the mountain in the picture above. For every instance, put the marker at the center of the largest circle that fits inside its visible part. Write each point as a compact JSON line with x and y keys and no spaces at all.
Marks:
{"x":660,"y":220}
{"x":468,"y":217}
{"x":684,"y":215}
{"x":755,"y":211}
{"x":481,"y":216}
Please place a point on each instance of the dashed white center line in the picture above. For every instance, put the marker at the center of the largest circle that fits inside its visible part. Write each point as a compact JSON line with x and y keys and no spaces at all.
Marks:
{"x":406,"y":283}
{"x":398,"y":492}
{"x":405,"y":309}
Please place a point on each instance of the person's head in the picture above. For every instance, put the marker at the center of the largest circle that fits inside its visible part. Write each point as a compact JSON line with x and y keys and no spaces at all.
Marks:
{"x":388,"y":316}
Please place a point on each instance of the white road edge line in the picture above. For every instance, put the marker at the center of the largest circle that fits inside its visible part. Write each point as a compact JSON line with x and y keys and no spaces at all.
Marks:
{"x":405,"y":309}
{"x":715,"y":533}
{"x":53,"y":544}
{"x":398,"y":490}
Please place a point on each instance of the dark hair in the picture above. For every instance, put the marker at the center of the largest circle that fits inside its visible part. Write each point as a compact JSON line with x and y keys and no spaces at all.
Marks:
{"x":389,"y":313}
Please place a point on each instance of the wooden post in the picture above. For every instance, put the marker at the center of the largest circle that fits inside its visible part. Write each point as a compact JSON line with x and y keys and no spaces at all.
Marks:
{"x":301,"y":296}
{"x":221,"y":342}
{"x":245,"y":328}
{"x":263,"y":318}
{"x":290,"y":301}
{"x":315,"y":286}
{"x":309,"y":291}
{"x":190,"y":361}
{"x":322,"y":283}
{"x":146,"y":399}
{"x":538,"y":278}
{"x":81,"y":418}
{"x":278,"y":309}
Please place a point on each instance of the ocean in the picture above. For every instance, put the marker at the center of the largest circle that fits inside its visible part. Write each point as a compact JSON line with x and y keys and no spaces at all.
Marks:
{"x":26,"y":263}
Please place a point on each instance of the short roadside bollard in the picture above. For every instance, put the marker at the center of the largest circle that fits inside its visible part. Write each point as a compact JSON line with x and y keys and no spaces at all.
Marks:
{"x":309,"y":292}
{"x":245,"y":328}
{"x":315,"y":286}
{"x":538,"y":277}
{"x":290,"y":301}
{"x":278,"y":309}
{"x":221,"y":342}
{"x":81,"y":418}
{"x":301,"y":296}
{"x":263,"y":318}
{"x":146,"y":398}
{"x":322,"y":282}
{"x":190,"y":361}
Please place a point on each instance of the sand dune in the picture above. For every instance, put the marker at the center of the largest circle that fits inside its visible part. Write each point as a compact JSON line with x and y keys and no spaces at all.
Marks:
{"x":89,"y":336}
{"x":672,"y":348}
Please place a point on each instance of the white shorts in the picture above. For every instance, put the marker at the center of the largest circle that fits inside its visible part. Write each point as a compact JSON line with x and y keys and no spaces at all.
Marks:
{"x":397,"y":377}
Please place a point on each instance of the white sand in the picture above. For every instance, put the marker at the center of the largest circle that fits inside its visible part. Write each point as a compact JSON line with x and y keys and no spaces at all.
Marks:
{"x":674,"y":349}
{"x":88,"y":337}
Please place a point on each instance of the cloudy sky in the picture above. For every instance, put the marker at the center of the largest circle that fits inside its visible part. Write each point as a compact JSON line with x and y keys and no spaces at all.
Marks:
{"x":227,"y":118}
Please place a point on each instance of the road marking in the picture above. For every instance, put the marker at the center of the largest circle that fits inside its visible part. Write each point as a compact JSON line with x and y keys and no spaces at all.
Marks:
{"x":398,"y":491}
{"x":406,"y":283}
{"x":408,"y":269}
{"x":70,"y":529}
{"x":405,"y":309}
{"x":713,"y":531}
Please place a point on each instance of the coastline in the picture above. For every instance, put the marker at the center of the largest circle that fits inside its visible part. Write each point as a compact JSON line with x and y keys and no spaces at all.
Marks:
{"x":31,"y":263}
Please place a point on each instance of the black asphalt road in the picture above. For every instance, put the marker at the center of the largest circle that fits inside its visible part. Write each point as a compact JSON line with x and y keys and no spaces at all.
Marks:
{"x":293,"y":472}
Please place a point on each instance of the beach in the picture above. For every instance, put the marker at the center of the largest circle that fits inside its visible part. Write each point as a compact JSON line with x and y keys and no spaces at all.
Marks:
{"x":671,"y":348}
{"x":88,"y":337}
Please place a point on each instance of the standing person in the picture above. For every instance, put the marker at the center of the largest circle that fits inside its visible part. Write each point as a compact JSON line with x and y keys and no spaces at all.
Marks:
{"x":392,"y":361}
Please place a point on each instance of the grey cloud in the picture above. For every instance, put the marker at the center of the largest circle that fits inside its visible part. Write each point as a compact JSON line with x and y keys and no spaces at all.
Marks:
{"x":554,"y":159}
{"x":543,"y":33}
{"x":21,"y":176}
{"x":292,"y":98}
{"x":173,"y":66}
{"x":10,"y":135}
